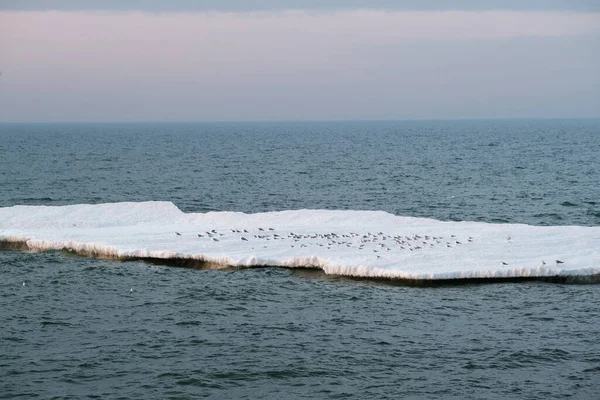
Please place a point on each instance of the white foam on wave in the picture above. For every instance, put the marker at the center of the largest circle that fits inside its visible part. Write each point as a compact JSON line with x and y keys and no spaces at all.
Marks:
{"x":371,"y":244}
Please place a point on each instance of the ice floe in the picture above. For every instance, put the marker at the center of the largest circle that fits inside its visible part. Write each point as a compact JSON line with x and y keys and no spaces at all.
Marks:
{"x":372,"y":244}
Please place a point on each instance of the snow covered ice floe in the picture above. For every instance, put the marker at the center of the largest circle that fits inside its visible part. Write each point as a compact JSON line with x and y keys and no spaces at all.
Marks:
{"x":371,"y":244}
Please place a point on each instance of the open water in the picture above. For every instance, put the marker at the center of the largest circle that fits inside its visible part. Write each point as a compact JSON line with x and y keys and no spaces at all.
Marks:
{"x":75,"y":330}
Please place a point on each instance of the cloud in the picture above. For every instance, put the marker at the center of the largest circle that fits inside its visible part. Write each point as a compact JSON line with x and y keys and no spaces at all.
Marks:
{"x":262,"y":5}
{"x":295,"y":64}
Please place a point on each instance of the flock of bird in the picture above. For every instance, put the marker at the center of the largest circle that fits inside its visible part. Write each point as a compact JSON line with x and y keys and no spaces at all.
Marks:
{"x":379,"y":243}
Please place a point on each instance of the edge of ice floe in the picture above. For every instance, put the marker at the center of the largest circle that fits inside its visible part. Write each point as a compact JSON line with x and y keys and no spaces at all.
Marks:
{"x":200,"y":261}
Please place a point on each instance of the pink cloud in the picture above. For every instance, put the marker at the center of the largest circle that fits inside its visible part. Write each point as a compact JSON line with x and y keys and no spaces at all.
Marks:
{"x":89,"y":56}
{"x":84,"y":44}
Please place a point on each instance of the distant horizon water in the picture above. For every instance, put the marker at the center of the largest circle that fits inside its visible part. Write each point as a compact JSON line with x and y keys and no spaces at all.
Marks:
{"x":251,"y":121}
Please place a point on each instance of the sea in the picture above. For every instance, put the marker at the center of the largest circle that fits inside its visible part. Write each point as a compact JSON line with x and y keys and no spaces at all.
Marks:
{"x":73,"y":327}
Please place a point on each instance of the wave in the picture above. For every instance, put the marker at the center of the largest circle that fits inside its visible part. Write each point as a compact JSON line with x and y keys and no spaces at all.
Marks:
{"x":362,"y":244}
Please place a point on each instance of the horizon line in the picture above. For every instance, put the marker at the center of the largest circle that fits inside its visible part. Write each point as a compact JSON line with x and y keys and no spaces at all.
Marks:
{"x":300,"y":120}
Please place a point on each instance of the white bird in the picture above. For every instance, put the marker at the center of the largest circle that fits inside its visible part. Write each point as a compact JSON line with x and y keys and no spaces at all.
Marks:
{"x":131,"y":290}
{"x":23,"y":283}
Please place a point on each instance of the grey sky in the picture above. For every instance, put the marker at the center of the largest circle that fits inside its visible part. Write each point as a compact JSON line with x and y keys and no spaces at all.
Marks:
{"x":298,"y":65}
{"x":248,"y":5}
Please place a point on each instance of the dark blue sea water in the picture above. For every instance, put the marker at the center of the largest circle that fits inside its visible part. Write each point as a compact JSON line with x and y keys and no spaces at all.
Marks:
{"x":74,"y":330}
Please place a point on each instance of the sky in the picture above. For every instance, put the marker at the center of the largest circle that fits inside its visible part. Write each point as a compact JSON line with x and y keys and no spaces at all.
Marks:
{"x":267,"y":60}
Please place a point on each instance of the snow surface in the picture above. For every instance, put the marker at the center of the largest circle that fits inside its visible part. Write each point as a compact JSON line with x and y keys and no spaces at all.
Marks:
{"x":353,"y":243}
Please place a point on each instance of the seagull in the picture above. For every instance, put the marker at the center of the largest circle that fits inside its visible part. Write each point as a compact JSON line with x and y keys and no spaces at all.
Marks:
{"x":131,"y":290}
{"x":23,"y":283}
